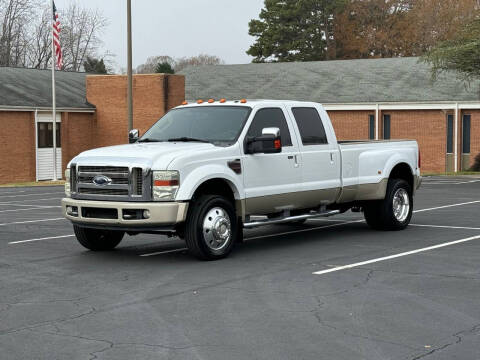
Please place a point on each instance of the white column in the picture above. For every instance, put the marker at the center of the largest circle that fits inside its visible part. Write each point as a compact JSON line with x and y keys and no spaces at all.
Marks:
{"x":455,"y":149}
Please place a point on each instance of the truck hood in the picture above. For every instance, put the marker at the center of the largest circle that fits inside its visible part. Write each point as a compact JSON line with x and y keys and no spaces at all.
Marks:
{"x":156,"y":156}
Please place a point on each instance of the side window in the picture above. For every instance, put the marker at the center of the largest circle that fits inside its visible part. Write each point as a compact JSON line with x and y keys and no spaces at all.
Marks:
{"x":310,"y":125}
{"x":270,"y":117}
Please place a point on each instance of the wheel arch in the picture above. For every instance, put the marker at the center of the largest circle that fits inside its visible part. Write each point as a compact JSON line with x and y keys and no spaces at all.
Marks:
{"x":403,"y":171}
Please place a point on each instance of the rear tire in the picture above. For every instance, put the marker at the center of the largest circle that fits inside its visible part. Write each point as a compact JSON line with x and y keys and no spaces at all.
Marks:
{"x":395,"y":211}
{"x":211,"y":228}
{"x":96,"y":239}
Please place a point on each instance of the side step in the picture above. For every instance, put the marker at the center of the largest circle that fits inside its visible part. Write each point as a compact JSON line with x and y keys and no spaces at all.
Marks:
{"x":279,"y":220}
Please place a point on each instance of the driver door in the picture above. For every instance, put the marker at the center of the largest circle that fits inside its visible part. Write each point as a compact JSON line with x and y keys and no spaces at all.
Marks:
{"x":271,"y":180}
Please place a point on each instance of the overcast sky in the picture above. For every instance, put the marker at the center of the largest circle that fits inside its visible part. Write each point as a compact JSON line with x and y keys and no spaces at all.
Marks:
{"x":177,"y":28}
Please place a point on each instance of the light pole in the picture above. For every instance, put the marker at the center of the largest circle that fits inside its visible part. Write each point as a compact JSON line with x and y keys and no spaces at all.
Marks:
{"x":129,"y":65}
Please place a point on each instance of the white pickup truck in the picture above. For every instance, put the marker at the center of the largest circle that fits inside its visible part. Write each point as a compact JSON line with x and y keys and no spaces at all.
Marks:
{"x":207,"y":170}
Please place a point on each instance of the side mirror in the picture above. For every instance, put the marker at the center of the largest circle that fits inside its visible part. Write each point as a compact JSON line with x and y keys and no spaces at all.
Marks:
{"x":269,"y":143}
{"x":133,"y":136}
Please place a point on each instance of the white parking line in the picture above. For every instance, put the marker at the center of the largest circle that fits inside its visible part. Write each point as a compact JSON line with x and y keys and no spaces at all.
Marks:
{"x":448,"y":182}
{"x":33,"y":200}
{"x":164,"y":252}
{"x":32,"y":221}
{"x":50,"y":193}
{"x":350,"y":266}
{"x":448,"y":206}
{"x":25,"y":205}
{"x":447,"y":227}
{"x":35,"y":208}
{"x":39,"y":239}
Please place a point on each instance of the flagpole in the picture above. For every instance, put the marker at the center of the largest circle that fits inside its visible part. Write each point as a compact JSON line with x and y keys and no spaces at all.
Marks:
{"x":54,"y":114}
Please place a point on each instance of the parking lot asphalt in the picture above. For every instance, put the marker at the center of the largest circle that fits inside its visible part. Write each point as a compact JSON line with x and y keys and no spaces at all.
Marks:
{"x":329,"y":289}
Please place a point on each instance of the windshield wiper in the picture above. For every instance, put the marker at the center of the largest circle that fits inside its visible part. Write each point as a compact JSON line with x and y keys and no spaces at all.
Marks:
{"x":148,"y":140}
{"x":185,"y":139}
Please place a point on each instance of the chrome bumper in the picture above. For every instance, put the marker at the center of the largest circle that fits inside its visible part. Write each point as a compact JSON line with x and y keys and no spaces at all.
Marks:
{"x":113,"y":213}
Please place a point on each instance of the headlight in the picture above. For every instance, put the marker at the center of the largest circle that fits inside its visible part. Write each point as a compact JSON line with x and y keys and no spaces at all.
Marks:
{"x":165,"y":185}
{"x":67,"y":182}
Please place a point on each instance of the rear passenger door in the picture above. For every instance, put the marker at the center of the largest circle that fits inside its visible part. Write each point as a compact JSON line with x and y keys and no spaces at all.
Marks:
{"x":320,"y":153}
{"x":271,"y":180}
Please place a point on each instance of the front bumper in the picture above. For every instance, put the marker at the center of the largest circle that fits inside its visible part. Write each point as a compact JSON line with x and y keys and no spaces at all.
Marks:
{"x":95,"y":213}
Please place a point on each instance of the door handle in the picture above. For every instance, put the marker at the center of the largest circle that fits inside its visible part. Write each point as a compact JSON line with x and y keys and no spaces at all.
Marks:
{"x":296,"y":161}
{"x":331,"y":157}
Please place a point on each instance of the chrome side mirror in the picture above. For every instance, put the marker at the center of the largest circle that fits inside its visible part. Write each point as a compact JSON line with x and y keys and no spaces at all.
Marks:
{"x":133,"y":136}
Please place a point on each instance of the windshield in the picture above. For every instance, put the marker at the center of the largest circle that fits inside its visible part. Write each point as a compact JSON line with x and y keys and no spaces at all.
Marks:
{"x":215,"y":124}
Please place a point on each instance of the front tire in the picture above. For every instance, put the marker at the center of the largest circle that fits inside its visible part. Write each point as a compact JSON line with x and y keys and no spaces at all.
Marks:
{"x":211,"y":229}
{"x":395,"y":211}
{"x":96,"y":239}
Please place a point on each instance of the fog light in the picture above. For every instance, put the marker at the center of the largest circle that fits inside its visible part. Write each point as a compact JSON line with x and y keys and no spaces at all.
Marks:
{"x":72,"y":210}
{"x":146,"y":214}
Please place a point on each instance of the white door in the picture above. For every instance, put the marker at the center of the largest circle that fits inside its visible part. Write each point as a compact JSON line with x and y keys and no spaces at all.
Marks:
{"x":44,"y":144}
{"x":320,"y":154}
{"x":271,"y":180}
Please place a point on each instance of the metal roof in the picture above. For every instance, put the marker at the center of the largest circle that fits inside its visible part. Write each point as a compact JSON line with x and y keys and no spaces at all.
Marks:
{"x":330,"y":82}
{"x":32,"y":88}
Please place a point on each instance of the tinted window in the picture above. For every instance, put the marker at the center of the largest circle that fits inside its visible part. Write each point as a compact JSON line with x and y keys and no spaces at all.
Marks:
{"x":386,"y":127}
{"x":270,"y":117}
{"x":45,"y":135}
{"x":310,"y":125}
{"x":449,"y":134}
{"x":466,"y":133}
{"x":371,"y":126}
{"x":220,"y":124}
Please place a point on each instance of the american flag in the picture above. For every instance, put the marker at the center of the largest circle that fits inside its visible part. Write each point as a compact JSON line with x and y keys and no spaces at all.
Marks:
{"x":56,"y":39}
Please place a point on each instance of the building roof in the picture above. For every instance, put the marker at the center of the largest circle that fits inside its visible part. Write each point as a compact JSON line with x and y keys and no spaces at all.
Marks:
{"x":32,"y":88}
{"x":330,"y":82}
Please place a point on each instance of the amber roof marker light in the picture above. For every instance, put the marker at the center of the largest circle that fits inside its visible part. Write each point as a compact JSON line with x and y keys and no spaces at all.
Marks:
{"x":243,"y":101}
{"x":223,"y":100}
{"x":199,"y":101}
{"x":211,"y":101}
{"x":185,"y":102}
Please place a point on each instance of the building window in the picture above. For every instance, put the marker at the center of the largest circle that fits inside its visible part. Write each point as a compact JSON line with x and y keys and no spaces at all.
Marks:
{"x":450,"y":134}
{"x":371,"y":126}
{"x":466,"y":133}
{"x":270,"y":117}
{"x":310,"y":125}
{"x":386,"y":127}
{"x":45,"y":135}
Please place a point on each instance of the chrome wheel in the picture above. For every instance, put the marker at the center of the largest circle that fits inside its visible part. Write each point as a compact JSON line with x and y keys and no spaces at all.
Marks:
{"x":401,"y":205}
{"x":217,"y":228}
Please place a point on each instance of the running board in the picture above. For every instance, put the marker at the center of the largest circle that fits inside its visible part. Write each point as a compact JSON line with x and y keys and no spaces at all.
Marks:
{"x":280,"y":220}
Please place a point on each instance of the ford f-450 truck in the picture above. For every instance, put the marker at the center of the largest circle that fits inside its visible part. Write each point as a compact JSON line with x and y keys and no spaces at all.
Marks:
{"x":207,"y":170}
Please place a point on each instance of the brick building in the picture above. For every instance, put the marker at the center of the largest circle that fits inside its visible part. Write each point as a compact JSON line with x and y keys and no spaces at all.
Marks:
{"x":91,"y":112}
{"x":366,"y":99}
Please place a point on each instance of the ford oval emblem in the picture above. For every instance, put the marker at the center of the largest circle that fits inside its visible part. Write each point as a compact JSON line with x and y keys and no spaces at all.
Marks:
{"x":102,"y":180}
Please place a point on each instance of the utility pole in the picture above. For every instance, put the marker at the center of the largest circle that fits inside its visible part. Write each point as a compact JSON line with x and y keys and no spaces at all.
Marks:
{"x":129,"y":65}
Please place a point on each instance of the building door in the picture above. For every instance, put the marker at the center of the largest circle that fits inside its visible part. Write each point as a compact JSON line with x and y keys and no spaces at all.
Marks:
{"x":466,"y":127}
{"x":44,"y":144}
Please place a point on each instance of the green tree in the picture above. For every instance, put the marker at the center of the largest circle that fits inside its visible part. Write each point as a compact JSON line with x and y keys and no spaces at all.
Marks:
{"x":461,"y":54}
{"x":95,"y":66}
{"x":294,"y":30}
{"x":164,"y":68}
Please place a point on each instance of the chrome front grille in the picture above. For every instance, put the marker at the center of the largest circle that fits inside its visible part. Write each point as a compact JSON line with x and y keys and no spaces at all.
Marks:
{"x":124,"y":183}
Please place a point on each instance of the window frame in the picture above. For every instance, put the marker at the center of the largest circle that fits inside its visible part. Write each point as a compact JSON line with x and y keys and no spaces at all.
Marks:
{"x":371,"y":126}
{"x":284,"y":117}
{"x":465,"y":139}
{"x":450,"y":136}
{"x":293,"y":108}
{"x":385,"y":117}
{"x":49,"y":135}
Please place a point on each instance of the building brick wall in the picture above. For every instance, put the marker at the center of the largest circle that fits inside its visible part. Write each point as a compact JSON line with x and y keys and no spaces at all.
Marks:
{"x":351,"y":125}
{"x":17,"y":146}
{"x":429,"y":128}
{"x":77,"y":135}
{"x":109,"y":94}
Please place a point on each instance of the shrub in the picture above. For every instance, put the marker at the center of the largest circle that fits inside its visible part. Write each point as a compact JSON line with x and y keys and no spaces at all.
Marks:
{"x":476,"y":164}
